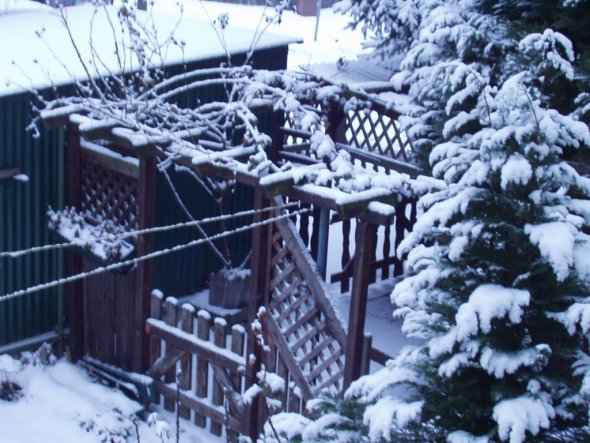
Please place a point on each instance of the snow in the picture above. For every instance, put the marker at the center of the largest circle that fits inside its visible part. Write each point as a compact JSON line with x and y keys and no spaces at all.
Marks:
{"x":519,"y":415}
{"x":486,"y":303}
{"x":50,"y":59}
{"x":381,"y":416}
{"x":555,"y":241}
{"x":103,"y":240}
{"x":38,"y":67}
{"x":60,"y":402}
{"x":517,"y":170}
{"x":334,"y":42}
{"x":11,"y":7}
{"x":275,"y":383}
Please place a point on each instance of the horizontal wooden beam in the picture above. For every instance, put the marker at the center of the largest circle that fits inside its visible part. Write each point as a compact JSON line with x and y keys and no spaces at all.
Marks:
{"x":381,"y":160}
{"x":325,"y":198}
{"x":190,"y":343}
{"x":109,"y":159}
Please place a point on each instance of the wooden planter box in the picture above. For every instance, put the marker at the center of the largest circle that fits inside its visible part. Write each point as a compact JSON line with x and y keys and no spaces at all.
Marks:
{"x":229,"y":289}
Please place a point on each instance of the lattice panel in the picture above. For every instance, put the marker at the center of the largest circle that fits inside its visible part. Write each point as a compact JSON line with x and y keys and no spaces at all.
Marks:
{"x":109,"y":195}
{"x":302,"y":324}
{"x":378,"y":133}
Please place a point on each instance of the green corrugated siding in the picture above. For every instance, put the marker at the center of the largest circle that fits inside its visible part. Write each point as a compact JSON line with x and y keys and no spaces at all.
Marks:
{"x":187,"y":271}
{"x":23,"y":221}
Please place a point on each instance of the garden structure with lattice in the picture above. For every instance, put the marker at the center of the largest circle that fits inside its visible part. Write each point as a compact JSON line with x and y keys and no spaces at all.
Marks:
{"x":337,"y":157}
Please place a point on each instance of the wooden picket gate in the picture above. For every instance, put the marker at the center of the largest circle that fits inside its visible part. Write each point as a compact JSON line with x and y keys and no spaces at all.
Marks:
{"x":210,"y":362}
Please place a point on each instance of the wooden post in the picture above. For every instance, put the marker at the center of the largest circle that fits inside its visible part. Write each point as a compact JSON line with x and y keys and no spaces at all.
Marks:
{"x":365,"y":245}
{"x":366,"y":359}
{"x":74,"y":261}
{"x":171,"y":318}
{"x":260,"y":272}
{"x":187,"y":316}
{"x":203,"y":326}
{"x":219,"y":339}
{"x":345,"y":282}
{"x":324,"y":230}
{"x":278,"y":121}
{"x":155,"y":342}
{"x":145,"y":244}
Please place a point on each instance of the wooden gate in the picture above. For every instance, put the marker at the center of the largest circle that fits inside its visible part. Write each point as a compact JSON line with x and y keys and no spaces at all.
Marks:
{"x":199,"y":368}
{"x":107,"y":310}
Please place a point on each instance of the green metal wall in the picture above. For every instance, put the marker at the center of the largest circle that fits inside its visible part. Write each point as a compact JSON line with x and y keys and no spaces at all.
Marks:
{"x":23,"y":222}
{"x":187,"y":271}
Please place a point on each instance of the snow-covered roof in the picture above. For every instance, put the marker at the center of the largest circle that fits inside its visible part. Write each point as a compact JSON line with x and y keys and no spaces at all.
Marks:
{"x":19,"y":6}
{"x":37,"y":51}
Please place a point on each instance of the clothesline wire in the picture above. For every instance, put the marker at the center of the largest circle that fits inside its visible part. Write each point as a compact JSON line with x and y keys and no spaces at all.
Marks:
{"x":123,"y":235}
{"x":149,"y":256}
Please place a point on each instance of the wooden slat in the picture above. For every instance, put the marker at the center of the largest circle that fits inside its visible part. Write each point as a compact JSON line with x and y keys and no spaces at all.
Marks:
{"x":316,"y":329}
{"x":289,"y":359}
{"x":299,"y":301}
{"x":203,"y":326}
{"x":282,"y":275}
{"x":225,"y":383}
{"x":287,"y":292}
{"x":165,"y":362}
{"x":186,"y":362}
{"x":311,"y":313}
{"x":220,"y":340}
{"x":333,"y":380}
{"x":237,"y":346}
{"x":315,"y":352}
{"x":200,"y":406}
{"x":325,"y":364}
{"x":170,"y":317}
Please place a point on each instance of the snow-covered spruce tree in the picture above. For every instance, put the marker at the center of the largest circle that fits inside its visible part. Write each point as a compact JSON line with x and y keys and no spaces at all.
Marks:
{"x":499,"y":285}
{"x":449,"y":53}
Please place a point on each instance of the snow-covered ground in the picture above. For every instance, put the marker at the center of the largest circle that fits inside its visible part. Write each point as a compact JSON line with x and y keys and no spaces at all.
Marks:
{"x":59,"y":402}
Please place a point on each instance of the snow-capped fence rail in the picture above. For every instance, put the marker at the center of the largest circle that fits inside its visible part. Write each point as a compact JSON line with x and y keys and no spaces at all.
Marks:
{"x":209,"y":360}
{"x":371,"y":135}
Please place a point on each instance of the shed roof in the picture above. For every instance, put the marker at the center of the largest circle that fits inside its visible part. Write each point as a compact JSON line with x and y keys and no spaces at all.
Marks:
{"x":38,"y":52}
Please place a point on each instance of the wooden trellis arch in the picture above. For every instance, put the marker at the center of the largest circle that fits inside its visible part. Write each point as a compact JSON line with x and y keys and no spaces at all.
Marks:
{"x":309,"y":344}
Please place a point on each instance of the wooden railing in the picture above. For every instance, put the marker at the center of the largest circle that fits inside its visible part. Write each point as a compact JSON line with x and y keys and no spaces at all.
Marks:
{"x":305,"y":332}
{"x":373,"y":138}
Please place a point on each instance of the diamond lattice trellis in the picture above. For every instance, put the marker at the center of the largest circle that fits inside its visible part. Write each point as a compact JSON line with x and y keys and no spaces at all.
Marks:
{"x":378,"y":133}
{"x":109,"y":195}
{"x":302,"y":323}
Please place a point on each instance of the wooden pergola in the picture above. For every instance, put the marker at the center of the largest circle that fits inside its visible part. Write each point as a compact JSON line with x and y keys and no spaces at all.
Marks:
{"x":283,"y":281}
